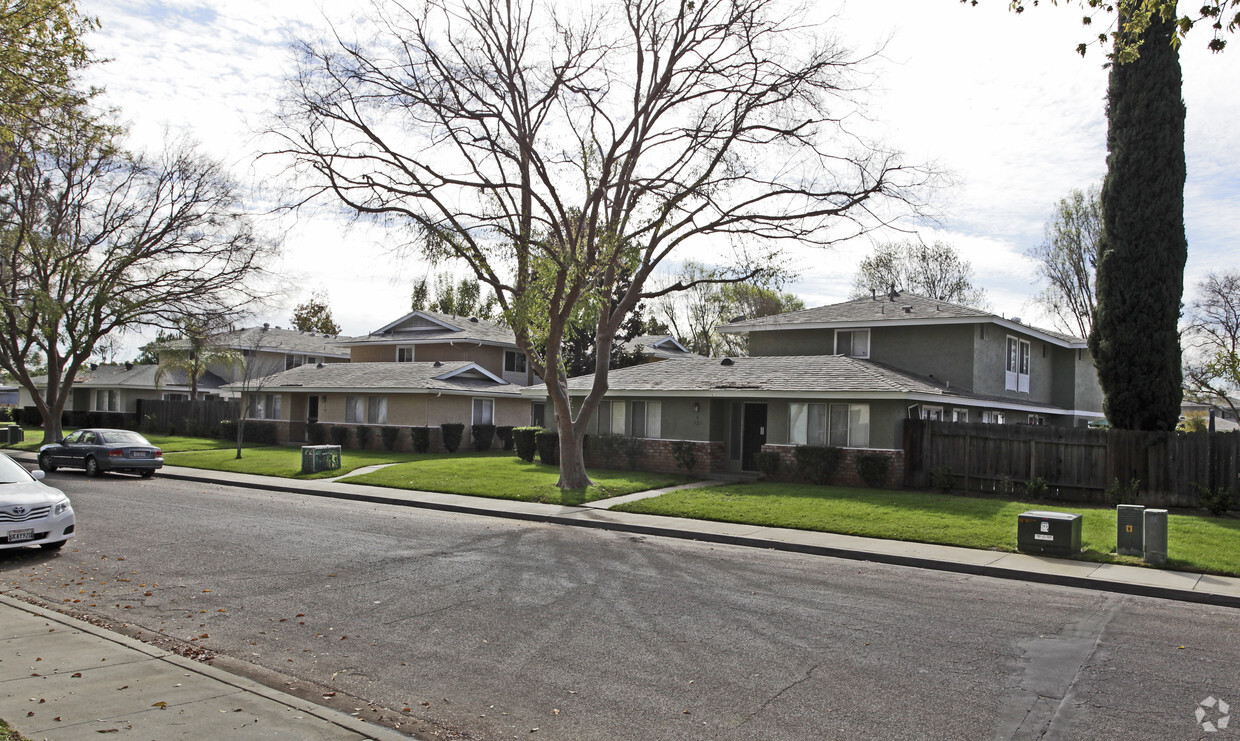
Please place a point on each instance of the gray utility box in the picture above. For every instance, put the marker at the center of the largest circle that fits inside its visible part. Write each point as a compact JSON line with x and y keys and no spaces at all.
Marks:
{"x":1052,"y":533}
{"x":13,"y":434}
{"x":315,"y":458}
{"x":1155,"y":536}
{"x":1130,"y":530}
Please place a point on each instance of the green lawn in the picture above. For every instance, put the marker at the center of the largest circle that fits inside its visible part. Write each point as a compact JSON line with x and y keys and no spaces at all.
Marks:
{"x":276,"y":461}
{"x":508,"y":477}
{"x":1196,"y":543}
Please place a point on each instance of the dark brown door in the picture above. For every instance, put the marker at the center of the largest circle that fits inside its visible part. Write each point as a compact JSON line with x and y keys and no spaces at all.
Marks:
{"x":753,"y":435}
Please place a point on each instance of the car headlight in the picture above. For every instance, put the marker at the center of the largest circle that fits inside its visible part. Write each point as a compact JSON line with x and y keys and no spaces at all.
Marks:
{"x":61,"y":507}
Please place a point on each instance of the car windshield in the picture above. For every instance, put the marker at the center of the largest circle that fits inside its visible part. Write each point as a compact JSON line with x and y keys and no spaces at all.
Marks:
{"x":12,"y":472}
{"x":119,"y":437}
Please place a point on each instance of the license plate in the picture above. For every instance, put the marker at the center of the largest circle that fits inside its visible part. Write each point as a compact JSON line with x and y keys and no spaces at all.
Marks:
{"x":140,"y":454}
{"x":23,"y":534}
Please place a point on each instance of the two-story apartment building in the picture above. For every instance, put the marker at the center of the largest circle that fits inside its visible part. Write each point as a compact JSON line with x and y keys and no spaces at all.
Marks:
{"x":849,"y":374}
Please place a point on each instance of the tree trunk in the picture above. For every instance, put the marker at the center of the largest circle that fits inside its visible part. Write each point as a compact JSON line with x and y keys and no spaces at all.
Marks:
{"x":572,"y":458}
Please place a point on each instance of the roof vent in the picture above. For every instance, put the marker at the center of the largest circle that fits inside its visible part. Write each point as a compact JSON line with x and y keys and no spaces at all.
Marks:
{"x":907,"y":309}
{"x":736,"y":319}
{"x":438,"y":364}
{"x":94,"y":366}
{"x":266,"y":326}
{"x":1015,"y":320}
{"x":128,"y":366}
{"x":318,"y":365}
{"x":873,"y":294}
{"x":313,"y":333}
{"x":473,"y":319}
{"x":726,"y":361}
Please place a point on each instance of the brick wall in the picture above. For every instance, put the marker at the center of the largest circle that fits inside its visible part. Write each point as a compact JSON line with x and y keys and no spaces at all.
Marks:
{"x":656,"y":457}
{"x":846,"y":473}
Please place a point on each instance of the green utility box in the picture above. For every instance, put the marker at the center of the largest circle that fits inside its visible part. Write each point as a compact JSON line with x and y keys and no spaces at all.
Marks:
{"x":1049,"y":533}
{"x":315,"y":458}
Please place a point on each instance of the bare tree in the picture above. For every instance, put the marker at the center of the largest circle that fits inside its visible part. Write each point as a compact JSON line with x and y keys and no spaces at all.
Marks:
{"x":1068,"y":261}
{"x":565,"y":154}
{"x":933,"y":270}
{"x":257,"y":371}
{"x":1211,"y":340}
{"x":94,"y":240}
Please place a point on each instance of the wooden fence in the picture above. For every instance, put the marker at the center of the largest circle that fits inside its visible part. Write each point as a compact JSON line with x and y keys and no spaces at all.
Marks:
{"x":1077,"y":464}
{"x":186,"y":417}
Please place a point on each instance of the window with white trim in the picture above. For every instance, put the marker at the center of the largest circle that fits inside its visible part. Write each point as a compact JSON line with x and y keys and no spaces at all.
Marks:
{"x":292,"y":361}
{"x":807,"y":424}
{"x":264,"y":406}
{"x":992,"y":417}
{"x":849,"y":426}
{"x":514,"y":361}
{"x":855,"y":343}
{"x":106,"y":400}
{"x":1016,"y":376}
{"x":376,"y":410}
{"x":404,"y":354}
{"x":176,"y":397}
{"x":1037,"y":419}
{"x":355,"y":409}
{"x":960,"y":415}
{"x":484,"y":411}
{"x":934,"y":414}
{"x":647,"y":418}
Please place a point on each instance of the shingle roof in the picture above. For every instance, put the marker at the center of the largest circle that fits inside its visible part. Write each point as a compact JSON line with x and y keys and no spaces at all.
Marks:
{"x":139,"y":376}
{"x":658,"y":346}
{"x":784,"y":374}
{"x":392,"y":377}
{"x":907,"y":307}
{"x":459,"y":328}
{"x":272,"y":339}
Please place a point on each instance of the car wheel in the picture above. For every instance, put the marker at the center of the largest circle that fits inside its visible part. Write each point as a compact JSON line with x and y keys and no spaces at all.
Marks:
{"x":147,"y":473}
{"x":45,"y":463}
{"x":92,"y":467}
{"x":53,"y":546}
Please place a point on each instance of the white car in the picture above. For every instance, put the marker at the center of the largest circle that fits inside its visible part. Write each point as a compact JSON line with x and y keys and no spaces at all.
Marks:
{"x":31,"y":513}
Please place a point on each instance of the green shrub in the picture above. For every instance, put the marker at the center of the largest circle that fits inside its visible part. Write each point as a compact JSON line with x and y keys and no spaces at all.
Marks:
{"x":339,"y":435}
{"x":452,"y":433}
{"x":873,"y":468}
{"x":524,"y":440}
{"x":767,"y":462}
{"x":364,"y":434}
{"x":314,"y":433}
{"x":421,"y":437}
{"x":941,"y":478}
{"x":389,"y":435}
{"x":31,"y":417}
{"x":504,"y":433}
{"x":1217,"y":500}
{"x":1036,"y":488}
{"x":685,"y":454}
{"x":817,"y":463}
{"x":483,"y":436}
{"x":228,"y":430}
{"x":548,"y":443}
{"x":1120,"y":493}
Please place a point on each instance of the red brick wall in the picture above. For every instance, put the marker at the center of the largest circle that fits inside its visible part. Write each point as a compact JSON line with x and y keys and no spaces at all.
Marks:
{"x":846,"y":473}
{"x":656,"y":457}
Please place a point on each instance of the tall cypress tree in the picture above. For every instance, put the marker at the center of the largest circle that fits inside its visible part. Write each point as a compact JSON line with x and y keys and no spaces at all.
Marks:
{"x":1135,"y":341}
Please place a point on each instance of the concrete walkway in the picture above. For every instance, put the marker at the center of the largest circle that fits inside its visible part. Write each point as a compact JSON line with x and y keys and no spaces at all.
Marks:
{"x":142,"y":691}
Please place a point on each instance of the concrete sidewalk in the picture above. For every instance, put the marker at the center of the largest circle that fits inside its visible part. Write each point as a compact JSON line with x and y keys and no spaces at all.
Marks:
{"x":65,"y":679}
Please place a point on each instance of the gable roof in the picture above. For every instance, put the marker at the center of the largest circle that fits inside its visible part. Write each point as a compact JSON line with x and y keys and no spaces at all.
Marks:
{"x":138,"y":376}
{"x":905,"y":309}
{"x":457,"y":376}
{"x":661,"y":346}
{"x":418,"y":327}
{"x":271,"y":339}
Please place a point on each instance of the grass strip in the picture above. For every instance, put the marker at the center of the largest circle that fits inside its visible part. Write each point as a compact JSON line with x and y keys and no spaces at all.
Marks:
{"x":279,"y":461}
{"x":1195,"y":543}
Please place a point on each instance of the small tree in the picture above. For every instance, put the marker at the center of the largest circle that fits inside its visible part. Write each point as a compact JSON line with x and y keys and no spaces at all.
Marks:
{"x":192,"y":354}
{"x":257,"y":371}
{"x":1068,"y":261}
{"x":315,"y":316}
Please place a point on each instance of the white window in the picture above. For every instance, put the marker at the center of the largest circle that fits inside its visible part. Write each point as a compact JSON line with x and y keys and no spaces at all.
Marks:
{"x":292,"y":361}
{"x":105,"y":400}
{"x":646,"y":418}
{"x":993,"y":418}
{"x":176,"y":397}
{"x":854,"y":343}
{"x":617,"y":418}
{"x":960,"y":415}
{"x":850,"y":426}
{"x":404,"y":354}
{"x":376,"y":410}
{"x":1013,"y":351}
{"x":1037,"y":419}
{"x":932,"y":413}
{"x":312,"y":360}
{"x":264,"y":406}
{"x":514,"y":361}
{"x":1022,"y":372}
{"x":484,"y":411}
{"x":354,"y":409}
{"x":807,"y":424}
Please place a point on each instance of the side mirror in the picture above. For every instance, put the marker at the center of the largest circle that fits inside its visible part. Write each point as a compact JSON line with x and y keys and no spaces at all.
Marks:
{"x":62,"y":441}
{"x":38,"y":475}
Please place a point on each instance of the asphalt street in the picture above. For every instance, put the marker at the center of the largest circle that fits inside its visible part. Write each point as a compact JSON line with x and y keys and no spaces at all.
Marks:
{"x":476,"y":627}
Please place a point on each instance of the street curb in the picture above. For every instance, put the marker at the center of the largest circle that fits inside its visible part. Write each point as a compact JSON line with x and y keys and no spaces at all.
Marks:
{"x":1139,"y":590}
{"x":328,"y":715}
{"x":1101,"y":585}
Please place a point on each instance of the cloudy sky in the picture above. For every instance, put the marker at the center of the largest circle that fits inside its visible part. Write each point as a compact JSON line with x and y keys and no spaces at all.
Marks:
{"x":1000,"y":101}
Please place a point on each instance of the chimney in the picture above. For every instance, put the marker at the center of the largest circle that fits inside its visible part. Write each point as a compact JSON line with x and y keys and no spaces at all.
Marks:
{"x":128,"y":366}
{"x":873,"y":294}
{"x":266,"y":326}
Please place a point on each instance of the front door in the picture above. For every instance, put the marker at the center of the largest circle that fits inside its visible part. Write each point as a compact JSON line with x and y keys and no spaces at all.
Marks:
{"x":753,"y":434}
{"x":312,"y":409}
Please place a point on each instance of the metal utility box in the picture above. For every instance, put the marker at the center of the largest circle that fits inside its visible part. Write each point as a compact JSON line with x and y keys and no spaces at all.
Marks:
{"x":13,"y":434}
{"x":1155,"y":536}
{"x":1130,"y":530}
{"x":315,"y":458}
{"x":1052,"y":533}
